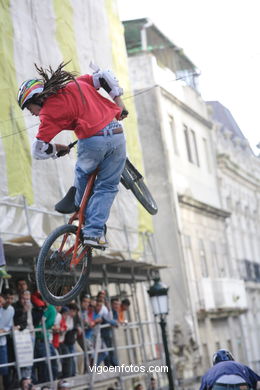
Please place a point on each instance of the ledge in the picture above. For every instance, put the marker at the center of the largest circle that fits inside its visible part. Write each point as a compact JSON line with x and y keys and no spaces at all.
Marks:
{"x":203,"y":207}
{"x":219,"y":313}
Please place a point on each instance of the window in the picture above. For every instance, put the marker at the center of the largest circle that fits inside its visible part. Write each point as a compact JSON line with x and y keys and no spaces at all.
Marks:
{"x":203,"y":260}
{"x":206,"y":152}
{"x":187,"y":141}
{"x":194,"y":149}
{"x":191,"y":145}
{"x":173,"y":131}
{"x":214,"y":258}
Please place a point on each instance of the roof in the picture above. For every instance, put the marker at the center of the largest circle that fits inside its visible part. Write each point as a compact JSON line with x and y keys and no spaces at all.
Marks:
{"x":222,"y":115}
{"x":133,"y":39}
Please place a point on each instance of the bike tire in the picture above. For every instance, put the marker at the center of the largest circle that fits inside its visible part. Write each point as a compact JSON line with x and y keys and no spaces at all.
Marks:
{"x":133,"y":180}
{"x":59,"y":271}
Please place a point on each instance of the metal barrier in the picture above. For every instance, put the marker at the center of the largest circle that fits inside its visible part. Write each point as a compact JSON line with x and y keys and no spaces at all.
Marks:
{"x":133,"y":352}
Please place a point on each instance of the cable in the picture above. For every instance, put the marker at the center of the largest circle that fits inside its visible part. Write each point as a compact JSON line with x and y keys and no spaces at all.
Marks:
{"x":18,"y":132}
{"x":157,"y":85}
{"x":127,"y":97}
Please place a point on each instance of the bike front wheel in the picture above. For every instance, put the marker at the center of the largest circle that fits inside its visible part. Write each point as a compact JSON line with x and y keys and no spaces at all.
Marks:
{"x":57,"y":281}
{"x":132,"y":179}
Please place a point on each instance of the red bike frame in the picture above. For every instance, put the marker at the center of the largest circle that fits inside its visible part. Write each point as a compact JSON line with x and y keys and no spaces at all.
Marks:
{"x":80,"y":216}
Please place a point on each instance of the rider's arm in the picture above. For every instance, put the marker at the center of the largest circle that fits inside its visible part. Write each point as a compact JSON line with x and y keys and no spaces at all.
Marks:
{"x":107,"y":80}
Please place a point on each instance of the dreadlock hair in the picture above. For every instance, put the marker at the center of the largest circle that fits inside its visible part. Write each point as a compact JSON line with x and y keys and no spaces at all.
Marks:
{"x":54,"y":81}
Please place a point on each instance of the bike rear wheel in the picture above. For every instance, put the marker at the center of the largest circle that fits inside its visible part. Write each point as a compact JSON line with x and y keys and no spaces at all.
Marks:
{"x":57,"y":282}
{"x":133,"y":180}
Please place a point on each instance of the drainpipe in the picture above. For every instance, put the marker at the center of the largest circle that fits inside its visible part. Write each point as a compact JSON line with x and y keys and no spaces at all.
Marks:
{"x":144,"y":35}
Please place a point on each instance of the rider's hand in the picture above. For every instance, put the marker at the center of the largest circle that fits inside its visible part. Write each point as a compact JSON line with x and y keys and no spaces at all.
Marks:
{"x":124,"y":114}
{"x":120,"y":103}
{"x":62,"y":150}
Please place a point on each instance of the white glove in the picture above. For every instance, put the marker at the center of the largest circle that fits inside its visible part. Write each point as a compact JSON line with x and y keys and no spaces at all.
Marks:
{"x":43,"y":150}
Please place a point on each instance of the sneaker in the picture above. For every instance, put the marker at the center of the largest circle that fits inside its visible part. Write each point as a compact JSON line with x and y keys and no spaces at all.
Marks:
{"x":96,"y":242}
{"x":4,"y":274}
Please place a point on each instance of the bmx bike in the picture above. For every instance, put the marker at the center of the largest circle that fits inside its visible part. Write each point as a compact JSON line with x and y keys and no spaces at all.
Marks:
{"x":64,"y":262}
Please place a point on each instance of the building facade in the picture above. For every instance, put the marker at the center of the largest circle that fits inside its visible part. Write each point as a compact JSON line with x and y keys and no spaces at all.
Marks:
{"x":186,"y":159}
{"x":238,"y":178}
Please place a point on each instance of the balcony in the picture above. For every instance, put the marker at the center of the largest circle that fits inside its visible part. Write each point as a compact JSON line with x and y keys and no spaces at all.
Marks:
{"x":221,"y":295}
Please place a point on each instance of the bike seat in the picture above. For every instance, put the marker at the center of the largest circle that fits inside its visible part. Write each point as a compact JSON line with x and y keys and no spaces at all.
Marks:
{"x":67,"y":204}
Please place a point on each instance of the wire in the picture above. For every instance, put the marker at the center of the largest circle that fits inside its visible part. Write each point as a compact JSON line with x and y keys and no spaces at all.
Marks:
{"x":15,"y":117}
{"x":127,"y":97}
{"x":18,"y":132}
{"x":157,"y":85}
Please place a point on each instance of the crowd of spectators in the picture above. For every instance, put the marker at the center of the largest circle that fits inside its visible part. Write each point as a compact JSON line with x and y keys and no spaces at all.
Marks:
{"x":68,"y":329}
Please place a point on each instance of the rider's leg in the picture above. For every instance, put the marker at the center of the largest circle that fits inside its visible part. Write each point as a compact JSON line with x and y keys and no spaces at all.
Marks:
{"x":91,"y":152}
{"x":107,"y":153}
{"x":106,"y":185}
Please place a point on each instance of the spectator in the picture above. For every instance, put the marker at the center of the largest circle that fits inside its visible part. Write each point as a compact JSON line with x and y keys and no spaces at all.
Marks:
{"x":107,"y":333}
{"x":103,"y":318}
{"x":85,"y":305}
{"x":63,"y":385}
{"x":21,"y":286}
{"x":9,"y":295}
{"x":40,"y":372}
{"x":152,"y":385}
{"x":9,"y":379}
{"x":56,"y":330}
{"x":61,"y":327}
{"x":23,"y":320}
{"x":115,"y":306}
{"x":101,"y":295}
{"x":139,"y":386}
{"x":73,"y":329}
{"x":6,"y":322}
{"x":92,"y":302}
{"x":3,"y":272}
{"x":93,"y":319}
{"x":23,"y":311}
{"x":38,"y":308}
{"x":125,"y":304}
{"x":79,"y":336}
{"x":26,"y":384}
{"x":84,"y":340}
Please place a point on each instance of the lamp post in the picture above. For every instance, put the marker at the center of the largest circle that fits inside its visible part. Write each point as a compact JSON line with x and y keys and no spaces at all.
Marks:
{"x":159,"y":299}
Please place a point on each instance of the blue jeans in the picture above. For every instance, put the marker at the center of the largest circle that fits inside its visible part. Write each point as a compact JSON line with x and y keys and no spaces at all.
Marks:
{"x":108,"y":153}
{"x":41,"y":367}
{"x":3,"y":359}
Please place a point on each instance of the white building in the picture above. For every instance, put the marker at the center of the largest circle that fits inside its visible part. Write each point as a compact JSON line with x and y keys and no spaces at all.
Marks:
{"x":186,"y":168}
{"x":239,"y":179}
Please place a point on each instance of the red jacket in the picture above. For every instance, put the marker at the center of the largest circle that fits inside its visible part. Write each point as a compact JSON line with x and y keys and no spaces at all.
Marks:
{"x":69,"y":110}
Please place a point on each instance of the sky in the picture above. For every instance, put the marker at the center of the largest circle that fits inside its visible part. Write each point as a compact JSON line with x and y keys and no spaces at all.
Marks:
{"x":222,"y":38}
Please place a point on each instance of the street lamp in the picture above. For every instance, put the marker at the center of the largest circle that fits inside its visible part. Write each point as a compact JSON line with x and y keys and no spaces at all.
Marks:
{"x":159,"y":299}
